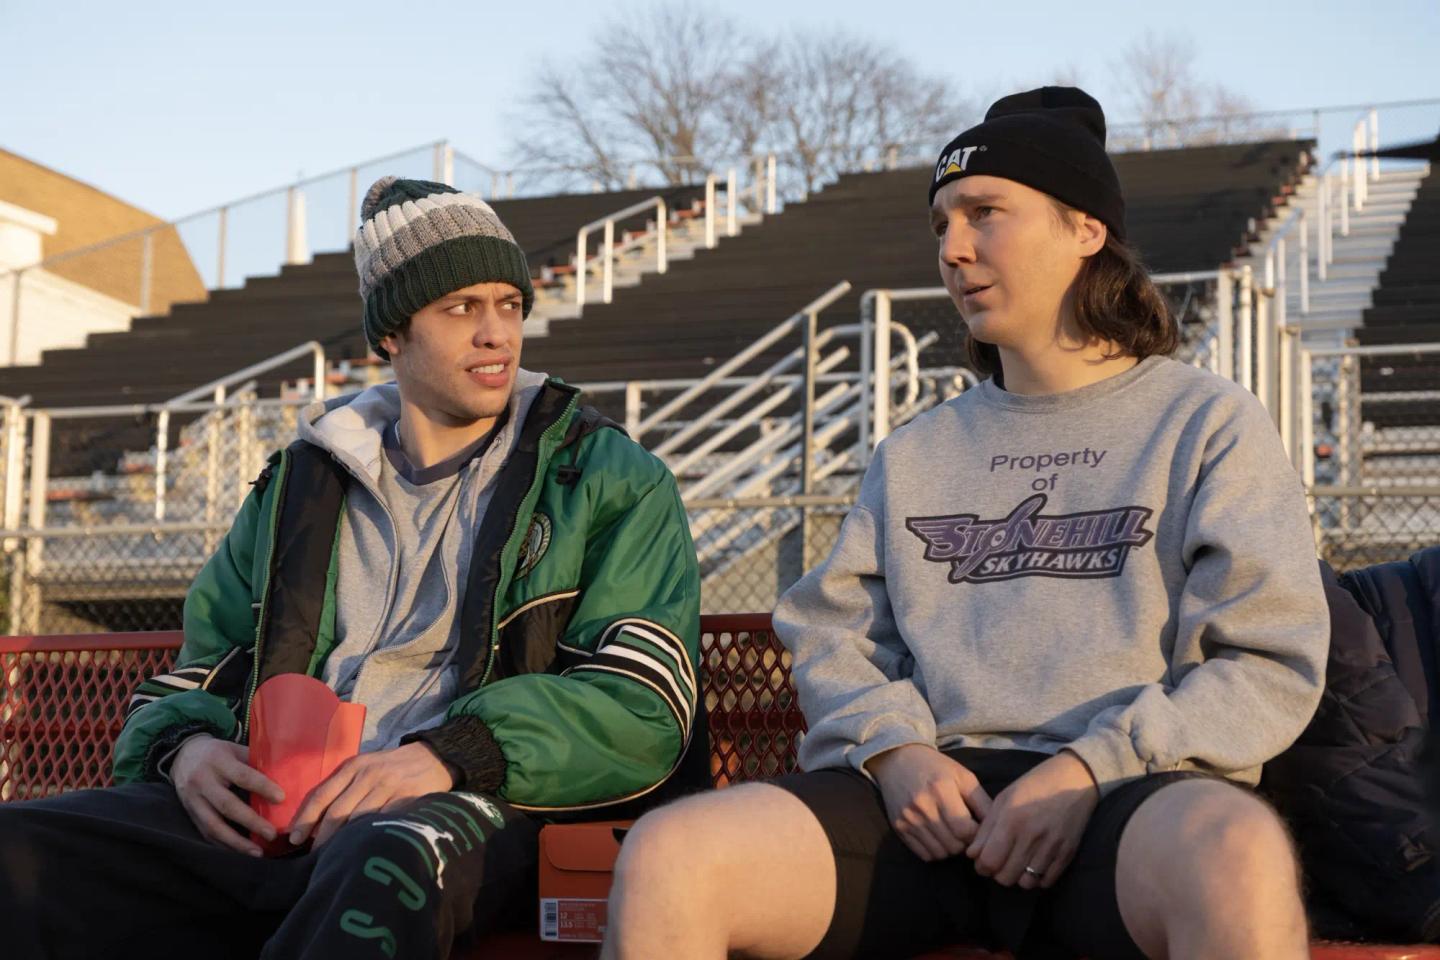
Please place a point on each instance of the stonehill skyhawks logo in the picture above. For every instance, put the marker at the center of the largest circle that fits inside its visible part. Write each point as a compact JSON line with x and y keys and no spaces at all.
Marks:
{"x":1028,"y":544}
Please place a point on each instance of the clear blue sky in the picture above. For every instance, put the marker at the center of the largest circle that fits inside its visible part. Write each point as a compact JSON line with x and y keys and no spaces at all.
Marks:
{"x":179,"y":106}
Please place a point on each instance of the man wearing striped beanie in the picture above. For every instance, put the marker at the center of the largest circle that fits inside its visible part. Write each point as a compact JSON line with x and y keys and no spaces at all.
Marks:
{"x":418,"y":242}
{"x":504,"y":579}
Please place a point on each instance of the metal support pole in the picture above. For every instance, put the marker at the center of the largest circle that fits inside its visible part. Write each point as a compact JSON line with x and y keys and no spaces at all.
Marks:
{"x":1306,"y":398}
{"x":220,"y":248}
{"x":1304,"y":265}
{"x":632,"y":409}
{"x":732,"y":226}
{"x":1247,"y":328}
{"x":212,"y":465}
{"x":246,"y":417}
{"x":770,"y":205}
{"x":1225,"y":317}
{"x":297,"y":244}
{"x":807,"y":443}
{"x":607,"y":263}
{"x":1282,"y":293}
{"x":352,"y":222}
{"x":581,"y":255}
{"x":320,"y":385}
{"x":867,"y":375}
{"x":14,"y":493}
{"x":1359,"y":166}
{"x":1264,"y":340}
{"x":1347,"y":435}
{"x":1322,"y":230}
{"x":882,"y":366}
{"x":1287,"y":404}
{"x":1374,"y":144}
{"x":1345,"y":198}
{"x":662,"y":234}
{"x":147,"y":270}
{"x":710,"y":212}
{"x":30,"y":599}
{"x":162,"y":444}
{"x":443,"y":163}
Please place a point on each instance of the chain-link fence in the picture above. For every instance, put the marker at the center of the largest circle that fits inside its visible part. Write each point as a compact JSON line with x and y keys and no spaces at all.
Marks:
{"x":1356,"y":527}
{"x":1373,"y":416}
{"x":750,"y":552}
{"x":95,"y":580}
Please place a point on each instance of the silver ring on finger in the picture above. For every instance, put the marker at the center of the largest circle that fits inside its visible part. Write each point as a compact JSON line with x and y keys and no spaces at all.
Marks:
{"x":1037,"y":874}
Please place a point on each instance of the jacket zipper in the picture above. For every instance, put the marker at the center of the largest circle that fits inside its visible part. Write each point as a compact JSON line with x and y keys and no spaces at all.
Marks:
{"x":264,"y":614}
{"x":562,"y":421}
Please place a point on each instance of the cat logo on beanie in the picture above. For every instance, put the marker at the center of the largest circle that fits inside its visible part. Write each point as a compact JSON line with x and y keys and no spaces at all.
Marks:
{"x":955,"y":163}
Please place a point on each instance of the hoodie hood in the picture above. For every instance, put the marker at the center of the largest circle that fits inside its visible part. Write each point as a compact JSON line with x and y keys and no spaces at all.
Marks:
{"x":351,"y":428}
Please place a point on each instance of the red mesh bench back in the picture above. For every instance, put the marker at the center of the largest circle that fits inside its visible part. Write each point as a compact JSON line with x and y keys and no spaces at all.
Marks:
{"x":62,"y":701}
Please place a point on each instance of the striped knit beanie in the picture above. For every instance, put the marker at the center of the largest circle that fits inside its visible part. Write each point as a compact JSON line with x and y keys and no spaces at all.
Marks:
{"x":419,"y":241}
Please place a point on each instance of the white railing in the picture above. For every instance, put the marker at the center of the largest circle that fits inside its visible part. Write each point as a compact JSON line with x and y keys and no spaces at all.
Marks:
{"x":40,"y":422}
{"x":732,"y":224}
{"x":607,"y":252}
{"x":735,"y":363}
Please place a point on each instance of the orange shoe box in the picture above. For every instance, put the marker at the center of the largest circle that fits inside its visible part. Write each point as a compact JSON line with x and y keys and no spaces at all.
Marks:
{"x":577,"y":864}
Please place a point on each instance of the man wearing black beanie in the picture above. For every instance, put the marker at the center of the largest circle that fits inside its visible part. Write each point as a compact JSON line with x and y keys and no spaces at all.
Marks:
{"x":1071,"y":614}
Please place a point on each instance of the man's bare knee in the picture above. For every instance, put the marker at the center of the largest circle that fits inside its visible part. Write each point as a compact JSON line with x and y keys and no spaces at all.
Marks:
{"x":663,"y":841}
{"x":1203,"y":853}
{"x":754,"y":865}
{"x":1234,"y":836}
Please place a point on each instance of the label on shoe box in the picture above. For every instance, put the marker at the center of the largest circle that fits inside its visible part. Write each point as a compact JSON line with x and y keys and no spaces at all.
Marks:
{"x":575,"y":920}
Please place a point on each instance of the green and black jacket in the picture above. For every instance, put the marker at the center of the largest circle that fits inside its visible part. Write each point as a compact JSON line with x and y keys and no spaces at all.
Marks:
{"x":579,"y":627}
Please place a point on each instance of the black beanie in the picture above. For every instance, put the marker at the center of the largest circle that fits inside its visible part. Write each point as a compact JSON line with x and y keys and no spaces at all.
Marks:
{"x":1052,"y":139}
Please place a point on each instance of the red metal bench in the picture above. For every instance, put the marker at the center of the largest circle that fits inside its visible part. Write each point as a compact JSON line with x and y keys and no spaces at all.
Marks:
{"x":62,"y":699}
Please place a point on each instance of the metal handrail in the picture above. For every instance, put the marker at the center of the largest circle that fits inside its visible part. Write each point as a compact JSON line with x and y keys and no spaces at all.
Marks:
{"x":217,"y":388}
{"x":745,"y":356}
{"x":749,"y":388}
{"x":732,"y":226}
{"x":837,"y":396}
{"x":279,"y":360}
{"x":582,"y":259}
{"x":1378,"y":350}
{"x":222,"y":208}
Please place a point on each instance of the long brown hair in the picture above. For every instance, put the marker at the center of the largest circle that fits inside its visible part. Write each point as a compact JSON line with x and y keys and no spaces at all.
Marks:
{"x":1115,"y":301}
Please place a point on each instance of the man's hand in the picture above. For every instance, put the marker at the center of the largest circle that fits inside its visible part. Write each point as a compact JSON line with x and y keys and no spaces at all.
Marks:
{"x":933,"y":802}
{"x":203,"y":772}
{"x":1036,"y":822}
{"x":366,"y":784}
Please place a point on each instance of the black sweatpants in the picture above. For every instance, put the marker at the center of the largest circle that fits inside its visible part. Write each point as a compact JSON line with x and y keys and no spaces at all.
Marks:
{"x":122,"y":872}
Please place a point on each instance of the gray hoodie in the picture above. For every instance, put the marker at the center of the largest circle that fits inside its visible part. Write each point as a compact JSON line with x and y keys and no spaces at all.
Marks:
{"x":1125,"y":570}
{"x":403,"y":561}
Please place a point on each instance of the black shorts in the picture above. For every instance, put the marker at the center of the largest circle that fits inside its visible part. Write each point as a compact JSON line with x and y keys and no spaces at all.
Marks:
{"x":890,"y":903}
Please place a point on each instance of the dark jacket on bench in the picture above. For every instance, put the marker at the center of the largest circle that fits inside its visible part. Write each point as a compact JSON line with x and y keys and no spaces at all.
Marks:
{"x":1360,"y":788}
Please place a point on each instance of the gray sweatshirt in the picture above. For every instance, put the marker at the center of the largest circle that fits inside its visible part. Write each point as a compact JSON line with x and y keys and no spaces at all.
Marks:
{"x":1125,"y":570}
{"x":403,"y":559}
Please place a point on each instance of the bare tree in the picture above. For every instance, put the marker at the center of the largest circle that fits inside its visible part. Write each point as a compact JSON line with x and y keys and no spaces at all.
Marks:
{"x":674,"y":90}
{"x":1171,"y":105}
{"x":651,"y":92}
{"x":842,"y":103}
